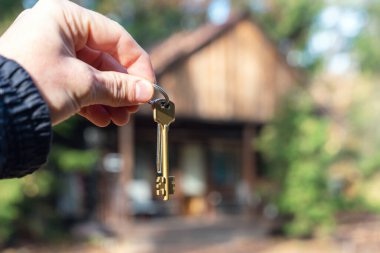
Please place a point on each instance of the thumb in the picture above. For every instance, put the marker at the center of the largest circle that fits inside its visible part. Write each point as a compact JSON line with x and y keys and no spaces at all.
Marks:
{"x":119,"y":89}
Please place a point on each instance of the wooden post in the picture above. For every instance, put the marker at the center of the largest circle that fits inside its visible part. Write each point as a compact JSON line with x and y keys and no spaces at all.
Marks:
{"x":127,"y":151}
{"x":127,"y":155}
{"x":113,"y":207}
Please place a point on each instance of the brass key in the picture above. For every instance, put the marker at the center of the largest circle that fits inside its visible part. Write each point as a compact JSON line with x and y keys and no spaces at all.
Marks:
{"x":163,"y":115}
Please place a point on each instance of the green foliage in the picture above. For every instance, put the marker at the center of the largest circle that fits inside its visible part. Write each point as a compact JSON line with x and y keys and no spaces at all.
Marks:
{"x":364,"y":131}
{"x":38,"y":215}
{"x":64,"y":155}
{"x":71,"y":160}
{"x":9,"y":9}
{"x":16,"y":198}
{"x":152,"y":21}
{"x":316,"y":179}
{"x":294,"y":148}
{"x":364,"y":126}
{"x":291,"y":21}
{"x":67,"y":158}
{"x":290,"y":25}
{"x":368,"y":53}
{"x":153,"y":26}
{"x":67,"y":128}
{"x":366,"y":43}
{"x":10,"y":196}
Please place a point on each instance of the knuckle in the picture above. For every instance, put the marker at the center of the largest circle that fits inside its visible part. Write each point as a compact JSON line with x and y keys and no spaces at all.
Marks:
{"x":123,"y":90}
{"x":87,"y":91}
{"x":118,"y":89}
{"x":132,"y":92}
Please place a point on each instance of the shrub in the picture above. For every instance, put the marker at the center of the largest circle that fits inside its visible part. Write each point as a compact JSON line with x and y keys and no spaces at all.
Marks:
{"x":293,"y":146}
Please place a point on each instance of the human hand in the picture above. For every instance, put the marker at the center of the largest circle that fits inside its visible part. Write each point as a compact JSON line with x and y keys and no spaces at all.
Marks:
{"x":81,"y":61}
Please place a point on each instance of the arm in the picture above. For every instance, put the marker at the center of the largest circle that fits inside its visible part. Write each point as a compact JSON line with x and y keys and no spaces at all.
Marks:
{"x":25,"y":127}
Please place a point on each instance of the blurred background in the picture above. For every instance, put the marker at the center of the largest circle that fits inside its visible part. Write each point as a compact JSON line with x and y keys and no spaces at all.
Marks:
{"x":275,"y":148}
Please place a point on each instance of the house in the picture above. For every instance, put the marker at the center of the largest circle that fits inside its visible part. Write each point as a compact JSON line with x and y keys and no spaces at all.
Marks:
{"x":226,"y":82}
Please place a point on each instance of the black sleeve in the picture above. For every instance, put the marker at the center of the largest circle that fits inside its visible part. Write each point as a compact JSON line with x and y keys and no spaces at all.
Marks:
{"x":25,"y":126}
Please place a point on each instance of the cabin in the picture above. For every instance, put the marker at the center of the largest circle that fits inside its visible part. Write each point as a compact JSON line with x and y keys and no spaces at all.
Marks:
{"x":226,"y":82}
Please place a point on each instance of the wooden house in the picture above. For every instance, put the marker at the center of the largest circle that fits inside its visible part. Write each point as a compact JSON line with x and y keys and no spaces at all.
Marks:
{"x":226,"y":82}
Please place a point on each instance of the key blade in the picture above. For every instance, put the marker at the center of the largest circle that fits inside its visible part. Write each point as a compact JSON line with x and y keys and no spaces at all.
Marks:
{"x":159,"y":151}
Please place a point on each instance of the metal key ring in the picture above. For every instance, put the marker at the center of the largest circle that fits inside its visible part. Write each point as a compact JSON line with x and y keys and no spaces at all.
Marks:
{"x":161,"y":90}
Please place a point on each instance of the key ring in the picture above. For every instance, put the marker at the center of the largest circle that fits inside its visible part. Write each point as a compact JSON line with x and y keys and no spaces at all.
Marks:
{"x":161,"y":90}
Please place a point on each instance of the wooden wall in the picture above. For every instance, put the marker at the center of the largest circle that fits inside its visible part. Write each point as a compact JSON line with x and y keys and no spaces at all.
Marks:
{"x":239,"y":76}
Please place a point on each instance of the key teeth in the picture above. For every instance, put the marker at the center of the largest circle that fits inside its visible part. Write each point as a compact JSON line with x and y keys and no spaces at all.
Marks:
{"x":160,"y":186}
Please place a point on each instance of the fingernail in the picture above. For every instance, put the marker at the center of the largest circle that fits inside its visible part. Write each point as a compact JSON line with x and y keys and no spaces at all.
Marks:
{"x":144,"y":91}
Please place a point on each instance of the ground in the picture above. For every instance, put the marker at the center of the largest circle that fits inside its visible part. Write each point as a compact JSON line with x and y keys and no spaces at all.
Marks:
{"x":221,"y":235}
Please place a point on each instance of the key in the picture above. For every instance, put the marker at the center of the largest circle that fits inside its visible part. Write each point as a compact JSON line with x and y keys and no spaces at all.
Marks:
{"x":163,"y":115}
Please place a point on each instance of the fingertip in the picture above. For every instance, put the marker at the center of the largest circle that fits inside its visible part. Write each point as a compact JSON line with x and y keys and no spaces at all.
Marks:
{"x":121,"y":123}
{"x":119,"y":115}
{"x":132,"y":108}
{"x":97,"y":114}
{"x":100,"y":124}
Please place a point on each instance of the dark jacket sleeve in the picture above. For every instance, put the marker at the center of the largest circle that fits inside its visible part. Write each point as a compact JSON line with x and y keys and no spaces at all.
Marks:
{"x":25,"y":126}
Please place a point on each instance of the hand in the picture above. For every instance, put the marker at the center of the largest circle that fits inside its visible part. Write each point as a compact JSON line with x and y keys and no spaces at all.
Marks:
{"x":81,"y":61}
